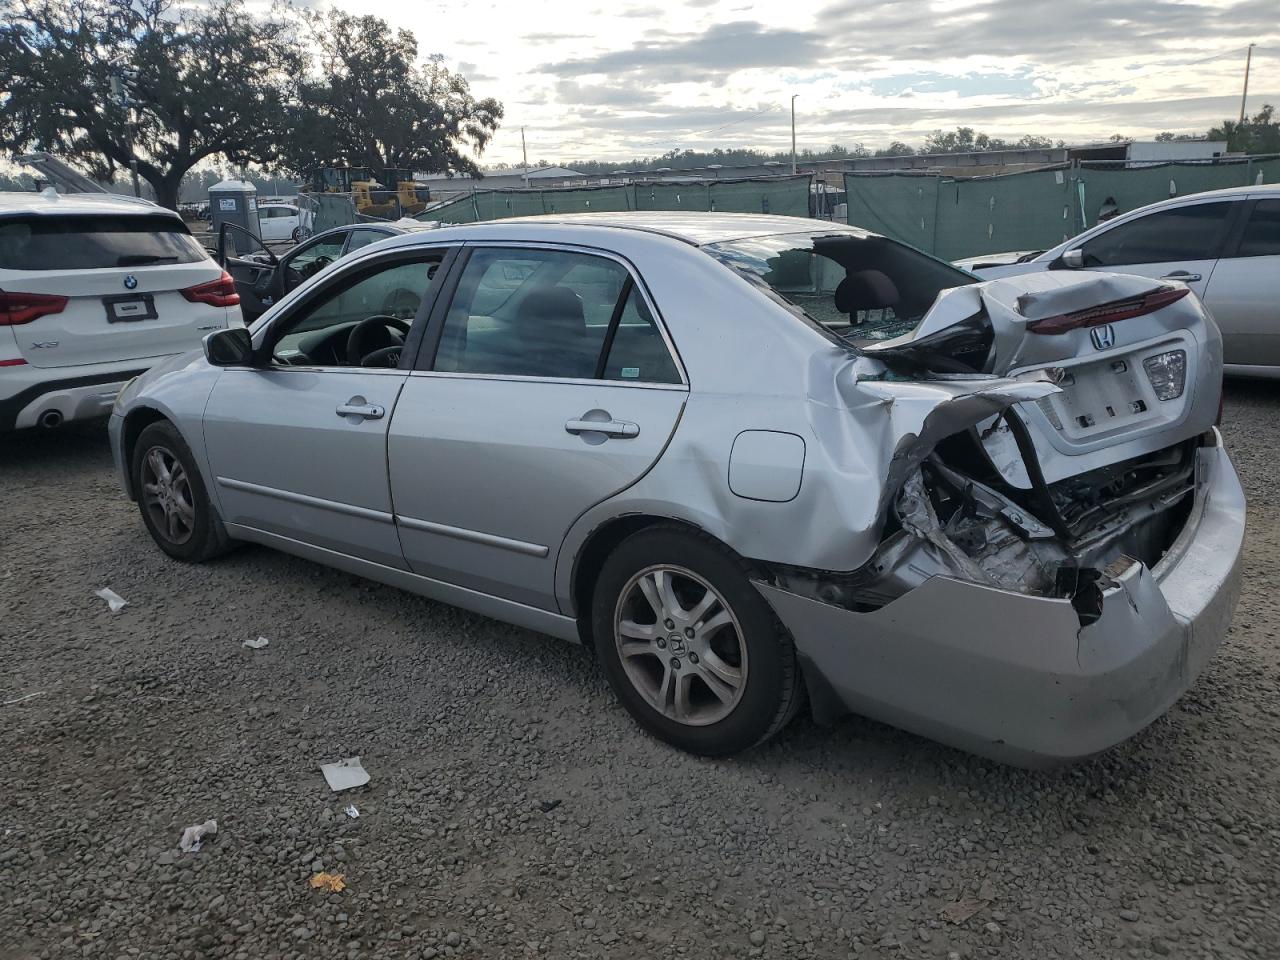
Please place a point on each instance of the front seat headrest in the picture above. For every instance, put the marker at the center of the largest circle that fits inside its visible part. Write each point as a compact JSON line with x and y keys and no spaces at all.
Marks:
{"x":556,"y":310}
{"x":553,"y":331}
{"x":865,"y":290}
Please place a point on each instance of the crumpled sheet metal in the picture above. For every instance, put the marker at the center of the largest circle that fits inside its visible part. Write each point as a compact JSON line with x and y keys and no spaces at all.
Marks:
{"x":920,"y":414}
{"x":1013,"y":302}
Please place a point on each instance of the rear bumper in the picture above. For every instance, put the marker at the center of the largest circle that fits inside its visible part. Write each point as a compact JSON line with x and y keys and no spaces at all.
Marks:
{"x":1015,"y":677}
{"x":37,"y":391}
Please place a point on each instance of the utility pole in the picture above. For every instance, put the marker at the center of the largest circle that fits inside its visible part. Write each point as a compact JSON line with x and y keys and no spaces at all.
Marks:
{"x":133,"y":152}
{"x":121,"y":90}
{"x":1245,"y":96}
{"x":793,"y":133}
{"x":524,"y":159}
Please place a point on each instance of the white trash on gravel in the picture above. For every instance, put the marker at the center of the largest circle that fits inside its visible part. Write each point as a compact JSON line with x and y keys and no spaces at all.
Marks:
{"x":256,"y":644}
{"x":29,"y":696}
{"x":344,"y":774}
{"x":193,"y":837}
{"x":352,"y":812}
{"x":114,"y":600}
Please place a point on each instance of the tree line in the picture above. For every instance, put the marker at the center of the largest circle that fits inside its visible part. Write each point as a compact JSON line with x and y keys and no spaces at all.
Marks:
{"x":1259,"y":134}
{"x":165,"y":86}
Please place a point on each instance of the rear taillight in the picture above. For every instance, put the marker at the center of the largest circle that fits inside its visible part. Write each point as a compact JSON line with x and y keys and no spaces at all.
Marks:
{"x":1167,"y":373}
{"x":16,"y":362}
{"x":19,"y":308}
{"x":216,"y":293}
{"x":1109,"y":312}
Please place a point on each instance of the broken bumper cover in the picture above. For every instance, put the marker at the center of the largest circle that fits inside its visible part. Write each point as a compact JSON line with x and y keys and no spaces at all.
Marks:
{"x":1015,"y":677}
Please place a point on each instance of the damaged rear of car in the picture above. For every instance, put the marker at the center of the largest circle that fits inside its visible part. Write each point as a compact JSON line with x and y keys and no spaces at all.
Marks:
{"x":1053,"y":552}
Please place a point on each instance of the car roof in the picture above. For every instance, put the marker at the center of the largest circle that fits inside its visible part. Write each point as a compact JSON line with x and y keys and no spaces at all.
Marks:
{"x":1225,"y":193}
{"x":47,"y":202}
{"x":690,"y":226}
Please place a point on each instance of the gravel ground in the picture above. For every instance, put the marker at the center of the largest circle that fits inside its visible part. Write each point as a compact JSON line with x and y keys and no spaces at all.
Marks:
{"x":515,"y":810}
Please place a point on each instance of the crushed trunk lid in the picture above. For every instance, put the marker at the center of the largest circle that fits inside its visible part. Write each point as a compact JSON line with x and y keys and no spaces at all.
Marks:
{"x":1139,"y":363}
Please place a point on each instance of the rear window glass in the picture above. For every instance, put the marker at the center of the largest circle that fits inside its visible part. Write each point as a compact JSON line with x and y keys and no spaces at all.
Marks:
{"x":94,"y":242}
{"x":863,"y":289}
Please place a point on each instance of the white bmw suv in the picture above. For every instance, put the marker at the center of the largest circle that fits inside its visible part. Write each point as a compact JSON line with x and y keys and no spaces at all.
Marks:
{"x":94,"y":290}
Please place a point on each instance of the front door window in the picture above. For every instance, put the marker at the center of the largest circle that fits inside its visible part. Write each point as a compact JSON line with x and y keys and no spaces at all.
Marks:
{"x":362,"y":321}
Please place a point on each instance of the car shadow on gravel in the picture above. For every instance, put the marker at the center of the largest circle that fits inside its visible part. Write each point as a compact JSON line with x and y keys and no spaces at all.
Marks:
{"x":79,"y":444}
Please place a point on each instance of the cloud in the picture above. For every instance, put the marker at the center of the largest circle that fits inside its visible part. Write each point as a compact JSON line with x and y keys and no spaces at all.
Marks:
{"x":719,"y":50}
{"x":627,"y":97}
{"x":1047,"y":31}
{"x":547,"y":37}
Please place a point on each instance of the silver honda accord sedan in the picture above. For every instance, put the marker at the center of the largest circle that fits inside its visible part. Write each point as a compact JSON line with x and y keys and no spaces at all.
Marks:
{"x":751,"y":462}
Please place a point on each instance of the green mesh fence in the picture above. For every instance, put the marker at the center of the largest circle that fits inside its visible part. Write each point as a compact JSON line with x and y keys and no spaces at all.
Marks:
{"x":897,"y":205}
{"x":331,"y":210}
{"x":964,"y":217}
{"x":782,"y":196}
{"x":786,"y":196}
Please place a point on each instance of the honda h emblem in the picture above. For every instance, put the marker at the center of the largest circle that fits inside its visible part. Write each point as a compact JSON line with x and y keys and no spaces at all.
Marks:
{"x":130,"y":281}
{"x":1103,"y":337}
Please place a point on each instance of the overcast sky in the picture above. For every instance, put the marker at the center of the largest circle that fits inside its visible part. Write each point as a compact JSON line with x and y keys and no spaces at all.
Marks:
{"x":637,"y":78}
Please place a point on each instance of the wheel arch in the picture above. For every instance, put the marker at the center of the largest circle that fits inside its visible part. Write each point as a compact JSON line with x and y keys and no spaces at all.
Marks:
{"x":135,"y":421}
{"x":603,"y":540}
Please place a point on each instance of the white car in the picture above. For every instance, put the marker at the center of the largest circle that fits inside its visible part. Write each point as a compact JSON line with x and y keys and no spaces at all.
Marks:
{"x":94,"y":290}
{"x":1223,"y":244}
{"x":283,"y":221}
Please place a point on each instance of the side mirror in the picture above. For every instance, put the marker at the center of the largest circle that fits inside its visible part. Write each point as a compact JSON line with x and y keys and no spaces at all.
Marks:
{"x":1072,"y":259}
{"x":232,"y":347}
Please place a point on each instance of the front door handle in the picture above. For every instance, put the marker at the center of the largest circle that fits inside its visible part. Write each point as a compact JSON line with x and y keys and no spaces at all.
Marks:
{"x":1182,"y":275}
{"x":358,"y":408}
{"x":620,"y":429}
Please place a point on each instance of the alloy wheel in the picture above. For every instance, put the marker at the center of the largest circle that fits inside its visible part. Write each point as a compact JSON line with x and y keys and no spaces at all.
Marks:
{"x":680,"y":645}
{"x":166,"y":494}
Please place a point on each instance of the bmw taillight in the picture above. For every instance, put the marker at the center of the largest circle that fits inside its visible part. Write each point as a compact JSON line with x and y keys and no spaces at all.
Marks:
{"x":19,"y":308}
{"x":1109,"y":312}
{"x":216,"y":293}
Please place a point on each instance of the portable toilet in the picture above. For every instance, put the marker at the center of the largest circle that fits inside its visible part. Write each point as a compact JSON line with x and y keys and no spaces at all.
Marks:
{"x":234,"y":201}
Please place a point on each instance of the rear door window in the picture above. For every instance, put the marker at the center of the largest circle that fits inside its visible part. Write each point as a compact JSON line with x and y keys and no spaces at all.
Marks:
{"x":1193,"y":232}
{"x":551,"y":313}
{"x":95,"y":242}
{"x":1262,"y":233}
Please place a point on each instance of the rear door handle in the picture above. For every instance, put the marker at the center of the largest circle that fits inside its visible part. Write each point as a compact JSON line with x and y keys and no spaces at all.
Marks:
{"x":620,"y":429}
{"x":1182,"y":275}
{"x":358,"y":407}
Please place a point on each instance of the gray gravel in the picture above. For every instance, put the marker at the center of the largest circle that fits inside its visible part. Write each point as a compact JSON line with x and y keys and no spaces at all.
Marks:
{"x":515,"y":810}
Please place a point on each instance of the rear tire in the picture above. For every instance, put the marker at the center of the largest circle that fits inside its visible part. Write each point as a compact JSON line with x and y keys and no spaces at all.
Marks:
{"x":690,"y":647}
{"x":172,"y":496}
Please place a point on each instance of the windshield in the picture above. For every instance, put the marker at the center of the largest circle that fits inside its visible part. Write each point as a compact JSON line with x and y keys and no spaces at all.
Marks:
{"x":95,"y":241}
{"x":862,"y":288}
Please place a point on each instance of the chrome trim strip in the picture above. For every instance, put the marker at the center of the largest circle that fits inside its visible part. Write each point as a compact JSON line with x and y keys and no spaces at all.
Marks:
{"x":521,"y":378}
{"x":474,"y":536}
{"x":364,"y":513}
{"x":509,"y":611}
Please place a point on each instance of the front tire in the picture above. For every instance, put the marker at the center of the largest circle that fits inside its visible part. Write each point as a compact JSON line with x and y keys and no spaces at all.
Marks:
{"x":690,"y":647}
{"x":172,"y":497}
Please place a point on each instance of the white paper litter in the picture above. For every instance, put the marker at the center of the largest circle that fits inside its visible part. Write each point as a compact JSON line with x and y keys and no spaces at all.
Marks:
{"x":257,"y":644}
{"x":344,"y":774}
{"x":193,"y":837}
{"x":29,"y":696}
{"x":114,"y":600}
{"x":351,"y":811}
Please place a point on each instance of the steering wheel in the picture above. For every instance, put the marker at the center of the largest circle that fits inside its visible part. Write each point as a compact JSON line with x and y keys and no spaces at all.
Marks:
{"x":371,"y":340}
